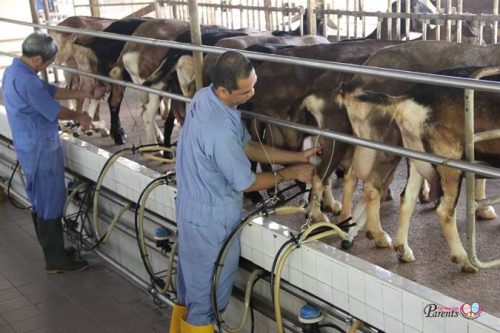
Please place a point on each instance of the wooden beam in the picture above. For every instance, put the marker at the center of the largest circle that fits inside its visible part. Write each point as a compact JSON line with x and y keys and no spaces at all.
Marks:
{"x":142,"y":12}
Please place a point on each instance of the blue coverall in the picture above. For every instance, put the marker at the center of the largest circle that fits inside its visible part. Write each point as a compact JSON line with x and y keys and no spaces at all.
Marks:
{"x":212,"y":171}
{"x":32,"y":112}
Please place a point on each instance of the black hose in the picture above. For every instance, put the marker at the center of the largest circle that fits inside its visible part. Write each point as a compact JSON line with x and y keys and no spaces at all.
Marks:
{"x":235,"y":231}
{"x":9,"y":185}
{"x":332,"y":326}
{"x":144,"y":256}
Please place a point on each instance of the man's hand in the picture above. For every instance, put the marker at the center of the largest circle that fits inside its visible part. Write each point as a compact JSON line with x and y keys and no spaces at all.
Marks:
{"x":306,"y":154}
{"x":84,"y":120}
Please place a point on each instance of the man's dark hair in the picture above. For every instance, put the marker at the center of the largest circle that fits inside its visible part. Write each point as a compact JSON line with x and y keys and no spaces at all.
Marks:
{"x":39,"y":44}
{"x":230,"y":67}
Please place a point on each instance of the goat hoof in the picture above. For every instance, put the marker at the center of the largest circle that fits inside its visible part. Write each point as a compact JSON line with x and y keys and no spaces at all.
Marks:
{"x":383,"y":241}
{"x":405,"y":254}
{"x":104,"y":132}
{"x":487,"y":213}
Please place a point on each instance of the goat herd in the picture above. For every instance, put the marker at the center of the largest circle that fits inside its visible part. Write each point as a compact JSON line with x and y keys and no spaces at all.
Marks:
{"x":417,"y":116}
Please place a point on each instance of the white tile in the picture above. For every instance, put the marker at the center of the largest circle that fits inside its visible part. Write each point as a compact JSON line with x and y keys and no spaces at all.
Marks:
{"x":341,"y":299}
{"x":257,"y":257}
{"x":374,"y":317}
{"x":268,"y":262}
{"x":295,"y":260}
{"x":323,"y":269}
{"x":310,"y":284}
{"x":308,"y":261}
{"x":356,"y":284}
{"x":455,"y":325}
{"x":373,"y":293}
{"x":245,"y":235}
{"x":392,"y":300}
{"x":296,"y":278}
{"x":325,"y":292}
{"x":409,"y":329}
{"x":339,"y":277}
{"x":357,"y":308}
{"x":478,"y":328}
{"x":393,"y":325}
{"x":433,"y":324}
{"x":256,"y":237}
{"x":246,"y":251}
{"x":412,"y":311}
{"x":268,"y":243}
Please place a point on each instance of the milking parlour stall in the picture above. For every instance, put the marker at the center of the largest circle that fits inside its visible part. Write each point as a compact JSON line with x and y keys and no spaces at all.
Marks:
{"x":399,"y":98}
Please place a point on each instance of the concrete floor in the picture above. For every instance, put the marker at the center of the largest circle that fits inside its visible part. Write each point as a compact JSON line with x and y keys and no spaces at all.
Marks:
{"x":95,"y":300}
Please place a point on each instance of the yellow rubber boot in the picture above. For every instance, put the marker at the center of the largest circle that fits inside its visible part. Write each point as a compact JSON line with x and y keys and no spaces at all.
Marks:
{"x":178,"y":312}
{"x":188,"y":328}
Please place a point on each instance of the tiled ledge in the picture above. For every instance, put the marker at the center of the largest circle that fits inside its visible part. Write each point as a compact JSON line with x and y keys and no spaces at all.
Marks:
{"x":370,"y":293}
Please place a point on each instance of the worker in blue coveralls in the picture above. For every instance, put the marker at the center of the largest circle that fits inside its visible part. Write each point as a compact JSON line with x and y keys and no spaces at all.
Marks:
{"x":213,"y":171}
{"x":32,"y":112}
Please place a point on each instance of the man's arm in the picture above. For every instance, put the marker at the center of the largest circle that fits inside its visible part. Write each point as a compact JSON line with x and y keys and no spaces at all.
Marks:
{"x":80,"y":117}
{"x":264,"y":180}
{"x":65,"y":93}
{"x":257,"y":153}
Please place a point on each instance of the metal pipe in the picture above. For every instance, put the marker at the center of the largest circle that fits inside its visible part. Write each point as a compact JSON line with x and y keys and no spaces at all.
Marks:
{"x":94,"y":4}
{"x":470,"y":177}
{"x":196,"y":39}
{"x":459,"y":22}
{"x":398,"y":21}
{"x":495,"y":23}
{"x":448,"y":22}
{"x":389,"y":19}
{"x":434,"y":159}
{"x":438,"y":30}
{"x":427,"y":78}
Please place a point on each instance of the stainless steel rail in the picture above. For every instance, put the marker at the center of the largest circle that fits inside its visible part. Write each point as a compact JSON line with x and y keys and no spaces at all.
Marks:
{"x":337,"y":66}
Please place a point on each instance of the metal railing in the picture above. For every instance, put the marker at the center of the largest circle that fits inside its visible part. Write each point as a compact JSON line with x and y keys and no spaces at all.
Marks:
{"x":464,"y":83}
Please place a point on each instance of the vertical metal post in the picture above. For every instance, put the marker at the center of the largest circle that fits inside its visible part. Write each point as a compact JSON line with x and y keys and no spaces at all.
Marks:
{"x":438,"y":30}
{"x":34,"y":18}
{"x":407,"y":25}
{"x":325,"y":20}
{"x":311,"y":17}
{"x":363,"y":19}
{"x":158,"y":9}
{"x":347,"y":19}
{"x":398,"y":21}
{"x":389,"y":20}
{"x":448,"y":22}
{"x":459,"y":22}
{"x":470,"y":187}
{"x":495,"y":24}
{"x":267,"y":14}
{"x":95,"y":10}
{"x":196,"y":39}
{"x":356,"y":9}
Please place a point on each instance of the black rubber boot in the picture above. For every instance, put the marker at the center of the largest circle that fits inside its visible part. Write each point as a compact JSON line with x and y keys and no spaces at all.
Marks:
{"x":50,"y":233}
{"x":70,"y":250}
